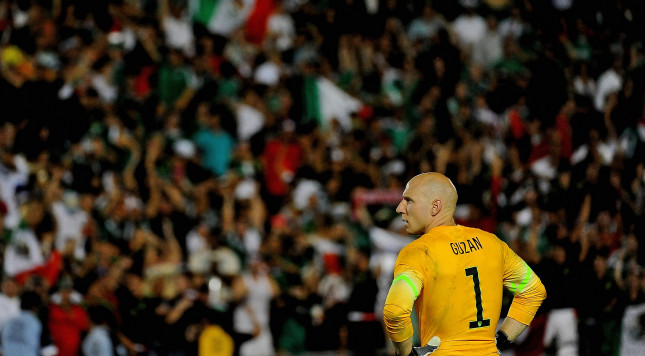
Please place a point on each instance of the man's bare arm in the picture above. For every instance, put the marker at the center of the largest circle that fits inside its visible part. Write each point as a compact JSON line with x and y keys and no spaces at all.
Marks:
{"x":512,"y":328}
{"x":403,"y":348}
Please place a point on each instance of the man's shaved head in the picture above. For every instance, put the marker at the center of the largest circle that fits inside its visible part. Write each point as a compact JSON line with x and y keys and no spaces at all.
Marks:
{"x":429,"y":200}
{"x":437,"y":186}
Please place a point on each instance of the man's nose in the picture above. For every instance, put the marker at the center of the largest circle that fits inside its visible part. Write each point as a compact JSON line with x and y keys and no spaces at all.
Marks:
{"x":401,"y":207}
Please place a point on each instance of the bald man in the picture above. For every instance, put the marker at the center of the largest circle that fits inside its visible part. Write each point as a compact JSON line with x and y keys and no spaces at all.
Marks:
{"x":454,"y":277}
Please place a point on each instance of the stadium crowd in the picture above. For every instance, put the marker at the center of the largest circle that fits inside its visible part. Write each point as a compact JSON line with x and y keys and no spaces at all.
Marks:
{"x":201,"y":177}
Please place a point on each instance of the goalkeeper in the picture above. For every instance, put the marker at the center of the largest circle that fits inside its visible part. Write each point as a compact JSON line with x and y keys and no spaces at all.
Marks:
{"x":454,"y":276}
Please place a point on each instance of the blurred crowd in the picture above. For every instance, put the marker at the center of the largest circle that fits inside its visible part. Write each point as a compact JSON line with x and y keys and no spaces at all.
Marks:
{"x":219,"y":177}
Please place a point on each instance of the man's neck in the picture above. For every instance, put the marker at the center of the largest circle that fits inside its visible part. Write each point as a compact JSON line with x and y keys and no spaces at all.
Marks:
{"x":441,"y":222}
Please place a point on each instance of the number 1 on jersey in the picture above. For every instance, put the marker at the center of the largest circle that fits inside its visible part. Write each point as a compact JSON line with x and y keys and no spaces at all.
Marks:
{"x":480,"y":322}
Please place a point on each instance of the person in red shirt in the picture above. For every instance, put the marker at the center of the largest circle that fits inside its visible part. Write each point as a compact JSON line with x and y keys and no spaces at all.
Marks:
{"x":67,"y":319}
{"x":281,"y":158}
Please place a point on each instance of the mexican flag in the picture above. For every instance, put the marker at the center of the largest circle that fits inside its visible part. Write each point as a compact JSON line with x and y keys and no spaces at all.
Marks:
{"x":223,"y":17}
{"x":325,"y":101}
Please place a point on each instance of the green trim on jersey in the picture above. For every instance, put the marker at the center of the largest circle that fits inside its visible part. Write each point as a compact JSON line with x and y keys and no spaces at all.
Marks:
{"x":520,"y":287}
{"x":407,"y":280}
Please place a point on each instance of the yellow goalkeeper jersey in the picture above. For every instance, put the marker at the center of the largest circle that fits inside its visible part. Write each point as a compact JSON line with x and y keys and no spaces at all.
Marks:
{"x":458,"y":274}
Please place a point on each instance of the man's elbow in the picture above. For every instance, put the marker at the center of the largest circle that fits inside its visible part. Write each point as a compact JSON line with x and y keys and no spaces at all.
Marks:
{"x":394,"y":315}
{"x":541,"y":291}
{"x":397,"y":322}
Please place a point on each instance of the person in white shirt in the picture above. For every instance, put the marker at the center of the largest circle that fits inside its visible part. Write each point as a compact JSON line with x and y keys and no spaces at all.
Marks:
{"x":23,"y":253}
{"x":610,"y":81}
{"x":9,"y":300}
{"x":583,"y":83}
{"x":514,"y":25}
{"x":98,"y":342}
{"x":70,"y":221}
{"x":250,"y":119}
{"x":254,"y":290}
{"x":490,"y":49}
{"x":177,"y":26}
{"x":281,"y":29}
{"x":13,"y":174}
{"x":424,"y":27}
{"x":470,"y":29}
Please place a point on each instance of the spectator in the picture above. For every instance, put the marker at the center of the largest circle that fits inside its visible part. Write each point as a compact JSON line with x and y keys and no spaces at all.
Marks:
{"x":9,"y":300}
{"x":489,"y":50}
{"x":254,"y":291}
{"x":632,"y":330}
{"x":70,"y":221}
{"x":600,"y":317}
{"x":583,"y":84}
{"x":177,"y":27}
{"x":281,"y":29}
{"x":184,"y":317}
{"x":25,"y":251}
{"x":514,"y":25}
{"x":561,"y":331}
{"x":610,"y":81}
{"x":469,"y":27}
{"x":21,"y":335}
{"x":216,"y":144}
{"x":67,"y":319}
{"x":138,"y":310}
{"x":364,"y":331}
{"x":424,"y":27}
{"x":281,"y":158}
{"x":177,"y":83}
{"x":98,"y":341}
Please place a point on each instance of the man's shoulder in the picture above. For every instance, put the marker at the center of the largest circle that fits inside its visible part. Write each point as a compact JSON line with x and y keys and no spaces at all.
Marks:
{"x":24,"y":318}
{"x":477,"y":232}
{"x":414,"y":247}
{"x":452,"y":230}
{"x":417,"y":243}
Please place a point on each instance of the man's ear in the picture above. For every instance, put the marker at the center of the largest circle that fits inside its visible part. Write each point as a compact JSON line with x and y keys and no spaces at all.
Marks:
{"x":436,"y":207}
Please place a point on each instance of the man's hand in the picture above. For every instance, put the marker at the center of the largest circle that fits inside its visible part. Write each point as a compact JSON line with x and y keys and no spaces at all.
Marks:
{"x":432,"y":345}
{"x":502,"y":341}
